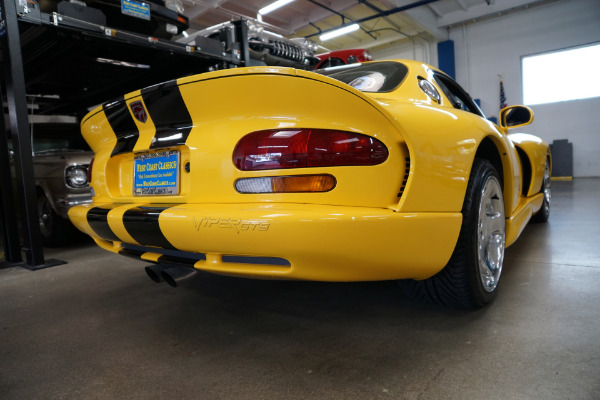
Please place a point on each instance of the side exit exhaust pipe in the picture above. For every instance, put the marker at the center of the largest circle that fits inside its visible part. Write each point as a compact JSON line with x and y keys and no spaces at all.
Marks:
{"x":175,"y":276}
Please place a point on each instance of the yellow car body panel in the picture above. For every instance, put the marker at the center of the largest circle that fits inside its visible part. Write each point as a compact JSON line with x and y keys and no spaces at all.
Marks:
{"x":296,"y":232}
{"x":210,"y":139}
{"x":398,"y":219}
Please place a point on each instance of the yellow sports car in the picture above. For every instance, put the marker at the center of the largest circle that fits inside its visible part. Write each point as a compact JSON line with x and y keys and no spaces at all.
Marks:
{"x":375,"y":171}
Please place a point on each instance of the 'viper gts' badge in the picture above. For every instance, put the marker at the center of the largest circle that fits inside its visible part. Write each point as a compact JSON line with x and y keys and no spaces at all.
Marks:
{"x":139,"y":112}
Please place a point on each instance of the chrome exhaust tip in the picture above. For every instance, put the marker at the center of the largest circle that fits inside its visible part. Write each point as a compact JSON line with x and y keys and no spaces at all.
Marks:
{"x":175,"y":276}
{"x":154,"y":272}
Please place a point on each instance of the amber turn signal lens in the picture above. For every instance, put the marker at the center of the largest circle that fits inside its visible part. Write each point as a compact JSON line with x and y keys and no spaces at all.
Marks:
{"x":286,"y":184}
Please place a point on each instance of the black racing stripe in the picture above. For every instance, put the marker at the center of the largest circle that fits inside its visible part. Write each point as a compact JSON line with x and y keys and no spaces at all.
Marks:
{"x":168,"y":256}
{"x":142,"y":224}
{"x":187,"y":261}
{"x":169,"y":113}
{"x":122,"y":123}
{"x":97,"y":218}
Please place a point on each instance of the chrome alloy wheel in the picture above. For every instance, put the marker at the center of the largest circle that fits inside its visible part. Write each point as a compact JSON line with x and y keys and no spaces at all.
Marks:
{"x":491,"y":233}
{"x":45,"y":216}
{"x":547,"y":183}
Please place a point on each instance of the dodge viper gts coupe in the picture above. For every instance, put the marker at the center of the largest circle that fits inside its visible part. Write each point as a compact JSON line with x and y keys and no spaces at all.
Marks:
{"x":375,"y":171}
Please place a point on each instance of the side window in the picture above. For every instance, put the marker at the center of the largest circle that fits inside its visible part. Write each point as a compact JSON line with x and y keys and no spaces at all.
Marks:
{"x":457,"y":96}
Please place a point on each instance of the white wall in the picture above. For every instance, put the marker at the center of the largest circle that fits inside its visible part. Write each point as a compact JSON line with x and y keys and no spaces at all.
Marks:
{"x":495,"y":46}
{"x":417,"y":49}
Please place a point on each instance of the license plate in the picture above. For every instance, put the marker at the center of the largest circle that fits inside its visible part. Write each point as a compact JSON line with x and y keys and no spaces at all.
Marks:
{"x":156,"y":174}
{"x":137,"y":9}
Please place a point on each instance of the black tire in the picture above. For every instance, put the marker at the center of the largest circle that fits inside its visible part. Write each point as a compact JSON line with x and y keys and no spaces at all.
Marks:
{"x":55,"y":230}
{"x":544,"y":213}
{"x":471,"y":277}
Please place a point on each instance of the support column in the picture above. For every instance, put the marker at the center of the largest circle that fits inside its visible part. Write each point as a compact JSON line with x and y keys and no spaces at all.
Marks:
{"x":19,"y":128}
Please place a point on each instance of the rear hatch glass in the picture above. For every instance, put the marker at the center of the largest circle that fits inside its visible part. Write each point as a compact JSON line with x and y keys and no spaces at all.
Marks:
{"x":378,"y":77}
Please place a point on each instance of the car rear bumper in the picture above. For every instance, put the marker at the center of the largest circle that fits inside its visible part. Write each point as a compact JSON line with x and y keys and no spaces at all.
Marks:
{"x":281,"y":241}
{"x":64,"y":203}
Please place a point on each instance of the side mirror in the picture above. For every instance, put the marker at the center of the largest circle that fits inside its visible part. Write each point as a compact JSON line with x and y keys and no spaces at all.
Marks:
{"x":515,"y":116}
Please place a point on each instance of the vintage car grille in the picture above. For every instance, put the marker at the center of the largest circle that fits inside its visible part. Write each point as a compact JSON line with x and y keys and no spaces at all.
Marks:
{"x":286,"y":50}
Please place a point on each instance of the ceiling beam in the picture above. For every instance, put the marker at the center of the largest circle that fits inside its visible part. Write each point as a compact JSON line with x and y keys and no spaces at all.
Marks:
{"x":201,"y":7}
{"x":435,"y":10}
{"x":483,"y":10}
{"x":381,"y":14}
{"x":319,"y":14}
{"x":421,"y":19}
{"x":381,"y":42}
{"x":462,"y":5}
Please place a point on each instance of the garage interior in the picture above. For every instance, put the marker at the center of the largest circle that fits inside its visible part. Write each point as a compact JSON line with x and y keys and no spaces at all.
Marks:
{"x":79,"y":322}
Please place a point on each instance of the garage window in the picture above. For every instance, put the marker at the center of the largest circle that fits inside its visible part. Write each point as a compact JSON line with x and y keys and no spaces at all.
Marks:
{"x":563,"y":75}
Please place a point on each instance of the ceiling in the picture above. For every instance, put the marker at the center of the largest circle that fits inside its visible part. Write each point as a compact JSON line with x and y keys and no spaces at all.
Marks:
{"x":407,"y":19}
{"x":65,"y":62}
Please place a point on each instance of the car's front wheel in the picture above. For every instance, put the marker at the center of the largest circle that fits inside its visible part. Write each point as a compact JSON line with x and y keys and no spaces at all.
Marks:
{"x":471,"y":277}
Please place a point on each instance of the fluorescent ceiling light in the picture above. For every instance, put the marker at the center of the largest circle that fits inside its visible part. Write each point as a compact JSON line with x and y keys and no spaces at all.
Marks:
{"x":339,"y":32}
{"x":273,"y":6}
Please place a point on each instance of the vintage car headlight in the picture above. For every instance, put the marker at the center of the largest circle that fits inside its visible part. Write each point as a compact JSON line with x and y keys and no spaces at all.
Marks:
{"x":76,"y":176}
{"x":175,"y":5}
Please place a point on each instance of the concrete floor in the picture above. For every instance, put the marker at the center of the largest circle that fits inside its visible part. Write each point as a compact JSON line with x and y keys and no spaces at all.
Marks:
{"x":98,"y":328}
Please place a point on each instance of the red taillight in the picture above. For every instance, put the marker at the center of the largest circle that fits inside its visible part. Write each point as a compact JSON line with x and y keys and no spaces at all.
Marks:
{"x":300,"y":148}
{"x":89,"y":171}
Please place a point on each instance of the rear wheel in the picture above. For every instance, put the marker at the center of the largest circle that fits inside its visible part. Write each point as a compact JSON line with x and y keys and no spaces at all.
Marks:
{"x":471,"y":277}
{"x":544,"y":214}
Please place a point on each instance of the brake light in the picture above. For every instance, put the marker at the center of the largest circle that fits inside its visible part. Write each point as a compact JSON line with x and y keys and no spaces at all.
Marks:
{"x":300,"y":148}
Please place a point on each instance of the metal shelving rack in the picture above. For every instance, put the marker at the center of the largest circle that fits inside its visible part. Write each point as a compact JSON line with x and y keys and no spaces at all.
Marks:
{"x":74,"y":65}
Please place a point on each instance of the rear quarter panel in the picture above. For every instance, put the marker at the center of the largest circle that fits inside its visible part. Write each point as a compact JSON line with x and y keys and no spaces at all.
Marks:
{"x":442,"y":143}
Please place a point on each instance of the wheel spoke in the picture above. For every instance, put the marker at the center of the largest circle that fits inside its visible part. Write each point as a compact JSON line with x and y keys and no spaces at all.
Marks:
{"x":496,"y":224}
{"x":491,"y":234}
{"x":547,"y":183}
